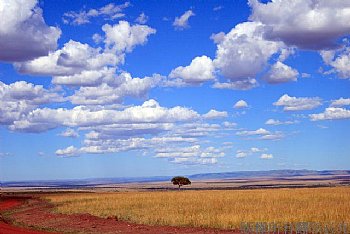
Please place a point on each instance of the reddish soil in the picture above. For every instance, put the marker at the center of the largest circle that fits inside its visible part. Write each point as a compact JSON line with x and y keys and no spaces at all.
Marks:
{"x":6,"y":205}
{"x":36,"y":213}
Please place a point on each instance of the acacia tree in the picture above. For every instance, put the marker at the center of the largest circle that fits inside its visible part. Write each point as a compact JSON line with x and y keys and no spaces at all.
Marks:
{"x":180,"y":180}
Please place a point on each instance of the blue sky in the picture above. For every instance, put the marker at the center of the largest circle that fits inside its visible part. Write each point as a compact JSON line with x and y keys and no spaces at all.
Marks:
{"x":118,"y":89}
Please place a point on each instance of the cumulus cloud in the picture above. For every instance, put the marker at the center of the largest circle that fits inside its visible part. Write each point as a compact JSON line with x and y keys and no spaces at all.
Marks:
{"x":79,"y":64}
{"x":200,"y":70}
{"x":218,"y":37}
{"x":150,"y":111}
{"x":245,"y":153}
{"x":240,"y":104}
{"x":203,"y":161}
{"x":5,"y":154}
{"x":241,"y":154}
{"x":266,"y":156}
{"x":20,"y":98}
{"x":69,"y":151}
{"x":237,"y":85}
{"x":112,"y":92}
{"x":109,"y":11}
{"x":123,"y":37}
{"x":112,"y":145}
{"x":340,"y":102}
{"x":298,"y":103}
{"x":278,"y":28}
{"x":197,"y":129}
{"x":142,"y":18}
{"x":69,"y":132}
{"x":331,"y":113}
{"x":181,"y":22}
{"x":193,"y":154}
{"x":262,"y":134}
{"x":126,"y":130}
{"x":24,"y":35}
{"x":281,"y":73}
{"x":279,"y":122}
{"x":260,"y":131}
{"x":74,"y":58}
{"x":294,"y":22}
{"x":339,"y":60}
{"x":244,"y":52}
{"x":214,"y":114}
{"x":192,"y":151}
{"x":227,"y":124}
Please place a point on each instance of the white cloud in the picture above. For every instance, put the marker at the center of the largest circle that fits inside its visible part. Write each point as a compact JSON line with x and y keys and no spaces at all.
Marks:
{"x":191,"y":151}
{"x":24,"y":34}
{"x":266,"y":156}
{"x":122,"y":131}
{"x":340,"y":102}
{"x":273,"y":136}
{"x":278,"y":122}
{"x":87,"y":77}
{"x":218,"y":37}
{"x":79,"y":64}
{"x":74,"y":58}
{"x":142,"y":18}
{"x":181,"y":22}
{"x":69,"y":132}
{"x":200,"y":70}
{"x":240,"y":104}
{"x":281,"y":73}
{"x":111,"y":144}
{"x":246,"y":84}
{"x":214,"y":114}
{"x":123,"y":37}
{"x":5,"y":154}
{"x":339,"y":60}
{"x":20,"y":98}
{"x":293,"y":22}
{"x":203,"y":161}
{"x":244,"y":52}
{"x":331,"y":113}
{"x":112,"y":93}
{"x":260,"y":131}
{"x":150,"y":111}
{"x":263,"y":134}
{"x":197,"y":129}
{"x":69,"y":151}
{"x":109,"y":11}
{"x":217,"y":8}
{"x":256,"y":150}
{"x":227,"y":124}
{"x":193,"y":154}
{"x":298,"y":103}
{"x":245,"y":153}
{"x":241,"y":154}
{"x":305,"y":75}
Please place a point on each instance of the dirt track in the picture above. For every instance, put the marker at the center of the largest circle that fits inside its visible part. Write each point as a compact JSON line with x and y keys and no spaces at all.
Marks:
{"x":6,"y":205}
{"x":34,"y":213}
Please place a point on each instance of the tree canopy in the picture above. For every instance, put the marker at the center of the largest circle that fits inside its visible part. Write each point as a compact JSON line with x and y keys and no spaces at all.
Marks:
{"x":180,"y":181}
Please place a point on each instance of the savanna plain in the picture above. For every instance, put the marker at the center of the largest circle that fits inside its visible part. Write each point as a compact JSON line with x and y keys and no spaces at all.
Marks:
{"x":224,"y":209}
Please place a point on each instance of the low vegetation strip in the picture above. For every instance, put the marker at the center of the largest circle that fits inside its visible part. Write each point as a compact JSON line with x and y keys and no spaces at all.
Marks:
{"x":214,"y":209}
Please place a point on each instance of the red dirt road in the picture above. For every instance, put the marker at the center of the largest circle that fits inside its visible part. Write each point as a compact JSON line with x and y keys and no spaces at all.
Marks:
{"x":5,"y":228}
{"x":37,"y":213}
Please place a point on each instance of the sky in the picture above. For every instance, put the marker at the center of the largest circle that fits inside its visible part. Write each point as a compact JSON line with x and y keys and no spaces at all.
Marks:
{"x":100,"y":89}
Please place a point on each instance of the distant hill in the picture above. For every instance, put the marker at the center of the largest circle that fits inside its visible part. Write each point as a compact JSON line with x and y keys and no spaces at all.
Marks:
{"x":205,"y":176}
{"x":272,"y":173}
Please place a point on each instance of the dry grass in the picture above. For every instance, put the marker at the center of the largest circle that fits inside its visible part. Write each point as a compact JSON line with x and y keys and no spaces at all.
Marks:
{"x":217,"y":209}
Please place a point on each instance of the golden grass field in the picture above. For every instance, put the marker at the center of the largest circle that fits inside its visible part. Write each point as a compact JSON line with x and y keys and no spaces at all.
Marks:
{"x":215,"y":209}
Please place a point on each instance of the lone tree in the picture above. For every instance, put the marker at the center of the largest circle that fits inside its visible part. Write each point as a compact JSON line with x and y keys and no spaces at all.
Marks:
{"x":180,"y":180}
